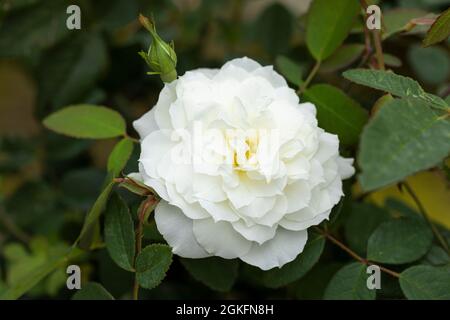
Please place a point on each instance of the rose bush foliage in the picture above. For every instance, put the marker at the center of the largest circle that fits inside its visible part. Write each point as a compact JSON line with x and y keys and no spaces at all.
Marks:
{"x":128,"y":192}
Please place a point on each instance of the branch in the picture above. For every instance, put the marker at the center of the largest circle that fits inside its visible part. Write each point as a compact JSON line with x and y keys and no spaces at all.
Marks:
{"x":422,"y":210}
{"x":354,"y":255}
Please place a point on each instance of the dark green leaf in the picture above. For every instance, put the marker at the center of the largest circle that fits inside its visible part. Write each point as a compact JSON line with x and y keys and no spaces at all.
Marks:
{"x":440,"y":29}
{"x":291,"y":70}
{"x":329,"y":23}
{"x":274,"y":29}
{"x":426,"y":283}
{"x":399,"y":241}
{"x":350,"y":283}
{"x":362,"y":221}
{"x":119,"y":233}
{"x":294,"y":270}
{"x":437,"y":256}
{"x":337,"y":113}
{"x":74,"y":66}
{"x":30,"y":31}
{"x":87,"y":121}
{"x":96,"y":210}
{"x":431,"y":65}
{"x":152,"y":264}
{"x":216,"y":273}
{"x":395,"y":84}
{"x":404,"y":137}
{"x":92,"y":291}
{"x":343,"y":57}
{"x":119,"y":156}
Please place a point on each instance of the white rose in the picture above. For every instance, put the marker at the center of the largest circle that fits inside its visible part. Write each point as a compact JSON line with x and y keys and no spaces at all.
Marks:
{"x":259,"y":173}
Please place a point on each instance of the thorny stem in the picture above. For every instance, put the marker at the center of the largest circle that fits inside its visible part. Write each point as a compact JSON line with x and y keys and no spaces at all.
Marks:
{"x":311,"y":75}
{"x":139,"y":233}
{"x":422,"y":210}
{"x":353,"y":254}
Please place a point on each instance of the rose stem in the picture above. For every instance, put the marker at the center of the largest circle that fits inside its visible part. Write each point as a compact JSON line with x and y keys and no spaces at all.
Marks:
{"x":354,"y":255}
{"x":422,"y":210}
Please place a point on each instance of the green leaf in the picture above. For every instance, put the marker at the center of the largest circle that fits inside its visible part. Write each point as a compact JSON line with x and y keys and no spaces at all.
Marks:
{"x":431,"y":65}
{"x":32,"y":278}
{"x":337,"y":113}
{"x":92,"y":291}
{"x":404,"y":137}
{"x":294,"y":270}
{"x":436,"y":256}
{"x":312,"y":286}
{"x":216,"y":273}
{"x":119,"y":156}
{"x":426,"y":283}
{"x":152,"y":264}
{"x":87,"y":121}
{"x":291,"y":70}
{"x":350,"y":283}
{"x":119,"y":233}
{"x":70,"y":71}
{"x":362,"y":221}
{"x":392,"y":61}
{"x":96,"y":210}
{"x":343,"y":57}
{"x":329,"y":23}
{"x":396,"y":20}
{"x":393,"y":83}
{"x":440,"y":29}
{"x":274,"y":29}
{"x":399,"y":241}
{"x":38,"y":28}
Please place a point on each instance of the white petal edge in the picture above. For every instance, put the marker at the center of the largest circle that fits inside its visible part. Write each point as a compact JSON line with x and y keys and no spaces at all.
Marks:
{"x":177,"y":230}
{"x":283,"y":248}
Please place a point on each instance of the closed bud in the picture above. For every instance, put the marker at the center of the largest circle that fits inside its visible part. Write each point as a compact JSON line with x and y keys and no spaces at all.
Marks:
{"x":161,"y":56}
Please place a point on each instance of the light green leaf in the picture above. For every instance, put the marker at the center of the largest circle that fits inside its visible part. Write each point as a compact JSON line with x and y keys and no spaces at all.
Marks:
{"x":399,"y":241}
{"x":87,"y":121}
{"x":337,"y":113}
{"x":32,"y":278}
{"x":343,"y":57}
{"x":404,"y":137}
{"x":217,"y":273}
{"x":291,"y":70}
{"x":395,"y":84}
{"x":92,"y":291}
{"x":119,"y":233}
{"x":152,"y":264}
{"x":440,"y":29}
{"x":119,"y":156}
{"x":329,"y":23}
{"x":362,"y":221}
{"x":96,"y":210}
{"x":350,"y":283}
{"x":426,"y":283}
{"x":292,"y":271}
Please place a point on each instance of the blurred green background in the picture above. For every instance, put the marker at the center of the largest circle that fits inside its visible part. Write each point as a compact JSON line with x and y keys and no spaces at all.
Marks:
{"x":48,"y":181}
